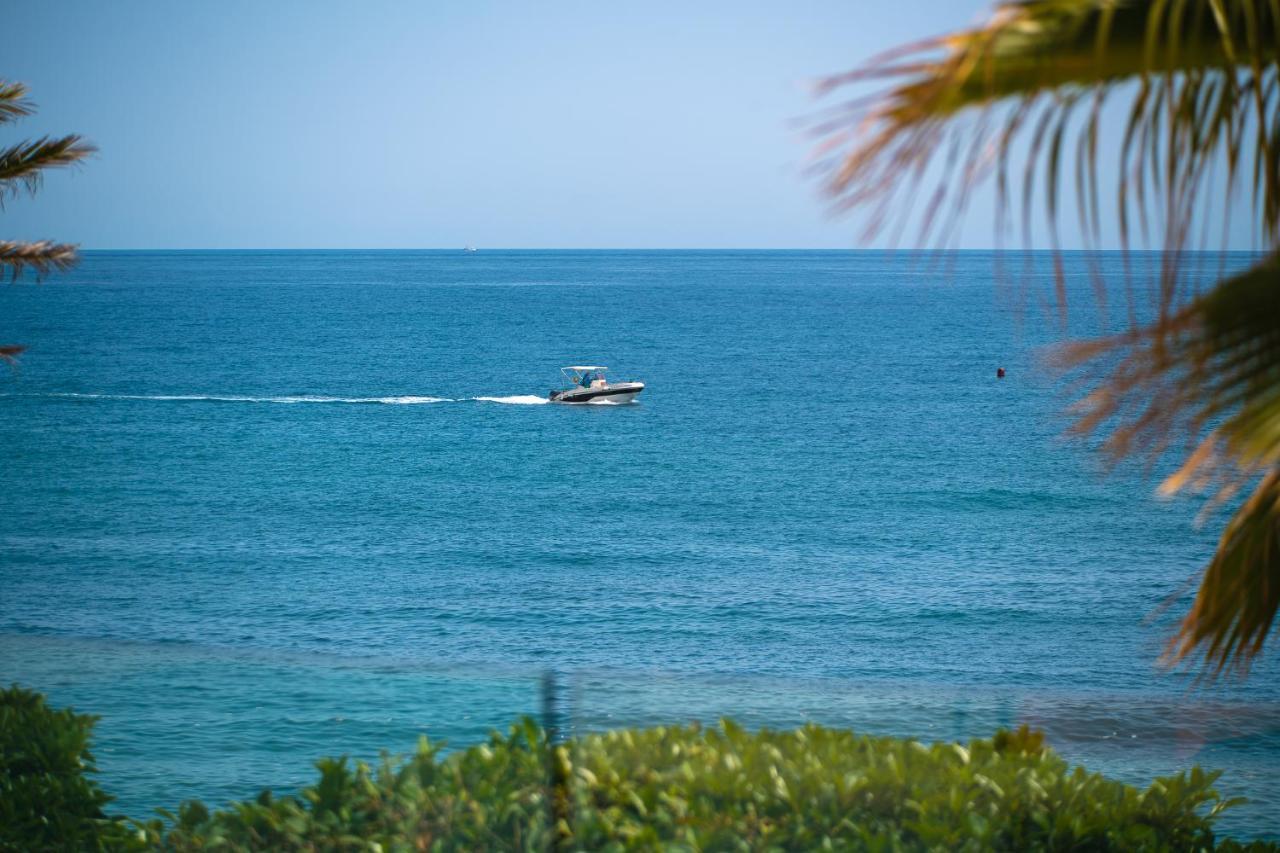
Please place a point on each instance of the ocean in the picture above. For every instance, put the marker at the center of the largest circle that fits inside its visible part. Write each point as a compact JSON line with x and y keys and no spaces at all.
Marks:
{"x":262,"y":507}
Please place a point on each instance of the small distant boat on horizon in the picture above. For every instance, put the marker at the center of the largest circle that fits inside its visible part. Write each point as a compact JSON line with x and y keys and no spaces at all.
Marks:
{"x":586,"y":384}
{"x":470,"y":248}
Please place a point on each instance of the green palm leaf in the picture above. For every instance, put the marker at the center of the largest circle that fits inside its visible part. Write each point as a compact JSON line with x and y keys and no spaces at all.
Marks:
{"x":1209,"y":375}
{"x":1237,"y":601}
{"x":1201,"y":81}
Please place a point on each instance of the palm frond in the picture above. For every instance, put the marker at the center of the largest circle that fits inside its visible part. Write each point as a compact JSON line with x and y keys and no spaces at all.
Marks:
{"x":42,"y":257}
{"x":20,"y":168}
{"x":1206,"y":382}
{"x":1209,"y":374}
{"x":1200,"y":83}
{"x":1203,"y":89}
{"x":21,"y":165}
{"x":1240,"y":594}
{"x":13,"y":102}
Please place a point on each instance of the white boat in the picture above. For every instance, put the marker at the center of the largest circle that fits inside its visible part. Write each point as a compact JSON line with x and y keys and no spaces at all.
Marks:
{"x":586,"y":384}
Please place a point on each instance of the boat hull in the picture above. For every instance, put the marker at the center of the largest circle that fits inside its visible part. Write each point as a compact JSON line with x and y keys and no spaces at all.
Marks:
{"x":622,"y":392}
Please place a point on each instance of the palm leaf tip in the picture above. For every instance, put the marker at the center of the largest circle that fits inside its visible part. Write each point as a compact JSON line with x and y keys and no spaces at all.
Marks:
{"x":41,"y":257}
{"x":1240,"y":595}
{"x":13,"y":101}
{"x":21,"y":165}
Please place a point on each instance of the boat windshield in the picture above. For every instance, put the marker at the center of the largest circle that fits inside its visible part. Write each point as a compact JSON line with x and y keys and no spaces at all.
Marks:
{"x":583,"y":376}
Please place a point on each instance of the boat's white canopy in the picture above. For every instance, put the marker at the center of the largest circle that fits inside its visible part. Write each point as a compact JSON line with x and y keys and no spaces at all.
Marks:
{"x":583,"y":367}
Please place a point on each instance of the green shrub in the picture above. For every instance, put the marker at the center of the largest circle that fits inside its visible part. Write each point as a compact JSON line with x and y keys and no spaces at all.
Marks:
{"x":669,"y":787}
{"x":47,"y":800}
{"x":717,"y":789}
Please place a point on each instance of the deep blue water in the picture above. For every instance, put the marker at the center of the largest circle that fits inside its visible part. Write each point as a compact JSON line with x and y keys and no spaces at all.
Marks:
{"x":261,"y":507}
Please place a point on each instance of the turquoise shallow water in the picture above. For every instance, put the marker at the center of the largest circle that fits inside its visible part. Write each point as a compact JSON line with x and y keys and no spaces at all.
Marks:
{"x":267,"y":506}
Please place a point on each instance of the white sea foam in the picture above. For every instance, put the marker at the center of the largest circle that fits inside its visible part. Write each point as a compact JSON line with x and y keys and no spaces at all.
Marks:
{"x":391,"y":401}
{"x":517,"y":400}
{"x":409,"y":401}
{"x":237,"y":398}
{"x":403,"y":400}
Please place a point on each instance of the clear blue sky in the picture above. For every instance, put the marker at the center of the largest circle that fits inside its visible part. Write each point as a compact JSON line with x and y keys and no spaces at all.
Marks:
{"x":419,"y":124}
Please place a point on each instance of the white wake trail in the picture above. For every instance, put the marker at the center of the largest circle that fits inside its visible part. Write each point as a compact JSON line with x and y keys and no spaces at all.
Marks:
{"x":516,"y":400}
{"x":298,"y":399}
{"x":240,"y":398}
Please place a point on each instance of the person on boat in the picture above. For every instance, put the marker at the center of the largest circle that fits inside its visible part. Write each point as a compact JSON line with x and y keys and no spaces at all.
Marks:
{"x":586,"y":379}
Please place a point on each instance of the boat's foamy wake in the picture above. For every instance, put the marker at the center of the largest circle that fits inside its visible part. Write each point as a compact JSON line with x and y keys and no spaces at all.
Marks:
{"x":517,"y":400}
{"x":240,"y":398}
{"x":406,"y":400}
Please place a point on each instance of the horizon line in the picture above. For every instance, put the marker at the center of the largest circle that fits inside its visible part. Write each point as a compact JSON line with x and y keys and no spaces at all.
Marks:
{"x":478,"y":250}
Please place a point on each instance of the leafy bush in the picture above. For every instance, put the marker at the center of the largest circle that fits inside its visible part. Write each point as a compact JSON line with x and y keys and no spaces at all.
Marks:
{"x":667,"y":787}
{"x":716,"y":789}
{"x":47,"y":802}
